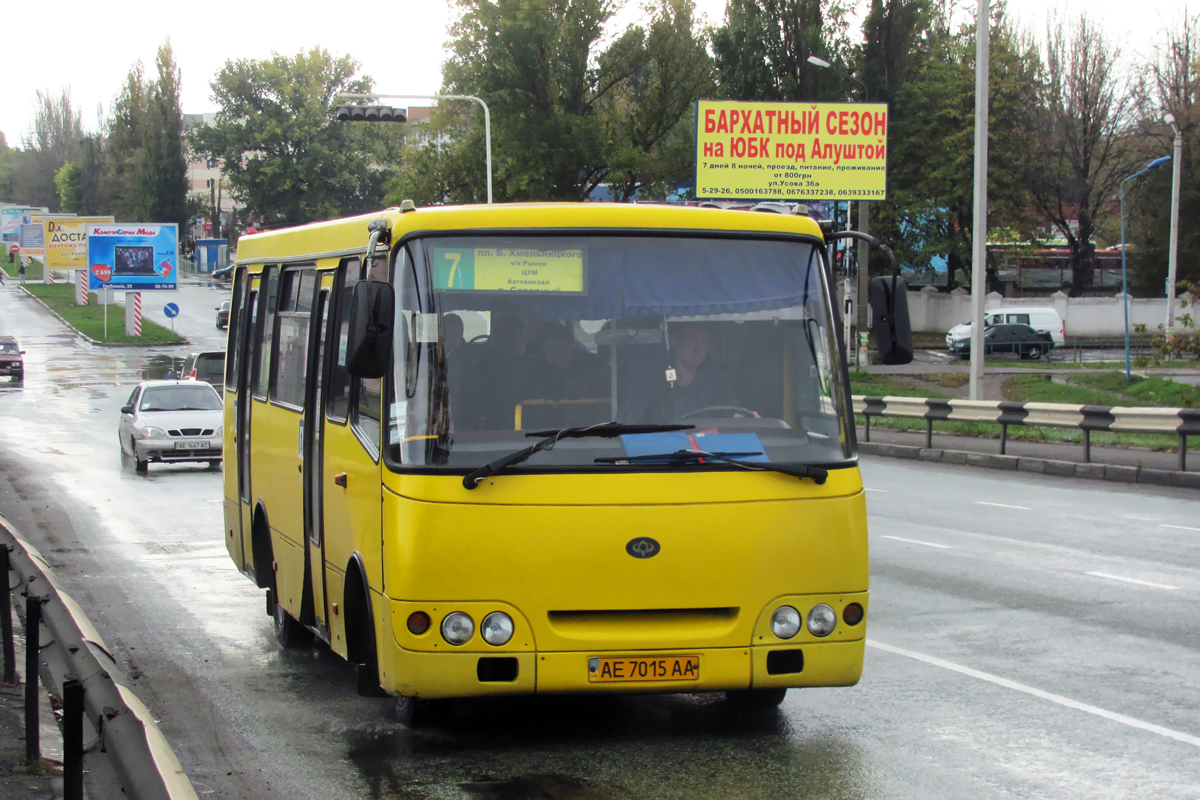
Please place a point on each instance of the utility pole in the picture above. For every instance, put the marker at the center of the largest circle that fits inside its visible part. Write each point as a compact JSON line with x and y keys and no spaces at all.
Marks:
{"x":979,"y":235}
{"x":1173,"y":253}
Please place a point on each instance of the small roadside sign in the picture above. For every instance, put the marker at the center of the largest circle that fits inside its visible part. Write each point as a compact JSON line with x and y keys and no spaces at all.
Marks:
{"x":171,"y":310}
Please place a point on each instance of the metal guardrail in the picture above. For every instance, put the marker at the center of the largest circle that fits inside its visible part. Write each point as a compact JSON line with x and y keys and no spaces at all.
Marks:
{"x":126,"y":754}
{"x":1182,"y":422}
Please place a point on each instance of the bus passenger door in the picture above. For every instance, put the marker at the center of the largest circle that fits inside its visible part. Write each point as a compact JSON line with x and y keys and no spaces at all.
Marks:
{"x":246,"y":347}
{"x":350,"y":491}
{"x":314,"y":433}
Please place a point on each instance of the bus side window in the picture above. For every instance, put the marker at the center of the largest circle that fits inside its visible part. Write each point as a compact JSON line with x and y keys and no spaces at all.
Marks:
{"x":266,"y":333}
{"x":338,"y":393}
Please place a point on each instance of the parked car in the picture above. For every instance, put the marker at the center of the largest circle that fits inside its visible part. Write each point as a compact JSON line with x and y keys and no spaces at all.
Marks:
{"x":208,"y":366}
{"x":165,"y":421}
{"x":1020,"y":339}
{"x":223,"y":315}
{"x":1040,"y":318}
{"x":11,"y":363}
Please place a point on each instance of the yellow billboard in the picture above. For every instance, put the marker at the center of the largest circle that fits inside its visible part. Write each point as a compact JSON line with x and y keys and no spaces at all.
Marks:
{"x":66,"y":241}
{"x":791,"y":151}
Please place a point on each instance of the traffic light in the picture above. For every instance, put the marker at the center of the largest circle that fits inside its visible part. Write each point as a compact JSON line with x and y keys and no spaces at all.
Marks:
{"x":370,"y":114}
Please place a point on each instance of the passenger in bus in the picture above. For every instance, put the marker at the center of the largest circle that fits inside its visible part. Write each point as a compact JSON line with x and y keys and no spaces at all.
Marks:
{"x":487,"y":378}
{"x":452,"y":333}
{"x":561,"y":369}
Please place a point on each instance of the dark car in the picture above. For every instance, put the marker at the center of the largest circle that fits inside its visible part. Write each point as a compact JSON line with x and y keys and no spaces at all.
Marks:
{"x":1022,"y":340}
{"x":11,"y":363}
{"x":223,"y":315}
{"x":208,"y":366}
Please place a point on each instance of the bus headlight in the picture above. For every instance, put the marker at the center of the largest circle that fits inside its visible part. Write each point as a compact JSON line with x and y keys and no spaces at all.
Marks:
{"x":497,"y":628}
{"x":457,"y":628}
{"x":785,"y":622}
{"x":821,"y":620}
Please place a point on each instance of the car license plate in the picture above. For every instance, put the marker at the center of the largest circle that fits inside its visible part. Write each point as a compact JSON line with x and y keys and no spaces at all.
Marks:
{"x":191,"y":445}
{"x":636,"y":668}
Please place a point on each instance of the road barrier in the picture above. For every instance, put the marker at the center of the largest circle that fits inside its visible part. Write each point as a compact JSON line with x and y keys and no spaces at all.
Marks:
{"x":1182,"y":422}
{"x":127,"y":756}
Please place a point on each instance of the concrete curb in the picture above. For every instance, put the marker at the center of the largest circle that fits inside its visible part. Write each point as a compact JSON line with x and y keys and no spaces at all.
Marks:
{"x":1067,"y":469}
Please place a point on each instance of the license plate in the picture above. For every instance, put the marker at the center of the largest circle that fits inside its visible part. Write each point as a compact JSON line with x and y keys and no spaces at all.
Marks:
{"x":191,"y":445}
{"x":636,"y":668}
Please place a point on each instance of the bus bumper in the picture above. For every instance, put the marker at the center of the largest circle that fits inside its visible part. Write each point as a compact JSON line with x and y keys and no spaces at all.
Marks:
{"x":473,"y":674}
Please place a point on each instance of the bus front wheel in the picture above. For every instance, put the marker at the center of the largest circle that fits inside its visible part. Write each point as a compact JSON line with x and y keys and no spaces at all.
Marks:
{"x":417,"y":712}
{"x":288,"y":632}
{"x":756,"y":699}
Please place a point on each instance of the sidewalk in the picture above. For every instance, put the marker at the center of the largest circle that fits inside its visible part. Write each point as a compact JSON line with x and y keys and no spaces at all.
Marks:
{"x":15,"y":781}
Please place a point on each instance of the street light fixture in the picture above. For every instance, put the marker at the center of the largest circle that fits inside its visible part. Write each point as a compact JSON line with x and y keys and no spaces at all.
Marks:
{"x":1173,"y":251}
{"x":1124,"y":282}
{"x":487,"y":120}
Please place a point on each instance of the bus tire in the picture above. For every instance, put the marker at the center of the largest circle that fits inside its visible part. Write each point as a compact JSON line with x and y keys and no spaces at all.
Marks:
{"x":290,"y":634}
{"x":418,"y":712}
{"x":753,"y":700}
{"x":360,"y":635}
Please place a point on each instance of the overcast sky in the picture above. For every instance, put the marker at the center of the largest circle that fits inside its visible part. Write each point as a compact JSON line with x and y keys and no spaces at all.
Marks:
{"x":90,"y":48}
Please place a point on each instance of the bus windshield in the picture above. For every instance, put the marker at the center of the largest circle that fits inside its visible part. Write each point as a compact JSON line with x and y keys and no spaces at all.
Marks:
{"x":502,"y":336}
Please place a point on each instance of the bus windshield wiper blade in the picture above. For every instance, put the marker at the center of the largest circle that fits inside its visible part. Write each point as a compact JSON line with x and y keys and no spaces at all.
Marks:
{"x":679,"y":457}
{"x":551,"y":437}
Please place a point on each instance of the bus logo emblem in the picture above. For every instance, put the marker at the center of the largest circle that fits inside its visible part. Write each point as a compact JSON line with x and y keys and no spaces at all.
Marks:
{"x":643,"y":547}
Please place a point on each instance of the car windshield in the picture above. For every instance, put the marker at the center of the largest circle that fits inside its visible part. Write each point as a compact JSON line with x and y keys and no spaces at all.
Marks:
{"x":8,"y":347}
{"x":199,"y":397}
{"x":503,"y":336}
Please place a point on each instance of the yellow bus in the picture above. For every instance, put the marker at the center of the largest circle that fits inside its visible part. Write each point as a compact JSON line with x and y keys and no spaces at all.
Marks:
{"x":550,"y":448}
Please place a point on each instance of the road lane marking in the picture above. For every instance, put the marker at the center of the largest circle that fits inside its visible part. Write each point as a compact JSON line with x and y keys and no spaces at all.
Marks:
{"x":1002,"y":505}
{"x":1176,"y":527}
{"x":869,"y":489}
{"x":1150,"y":727}
{"x":1132,"y":580}
{"x":917,"y":541}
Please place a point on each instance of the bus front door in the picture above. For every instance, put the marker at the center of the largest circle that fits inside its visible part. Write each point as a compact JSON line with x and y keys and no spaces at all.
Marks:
{"x":314,"y":433}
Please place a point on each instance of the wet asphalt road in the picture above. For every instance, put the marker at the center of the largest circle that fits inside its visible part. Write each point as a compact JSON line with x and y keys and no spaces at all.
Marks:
{"x":1029,"y":637}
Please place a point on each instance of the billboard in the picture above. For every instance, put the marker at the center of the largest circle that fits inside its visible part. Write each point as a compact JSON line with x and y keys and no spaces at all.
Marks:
{"x":791,"y":151}
{"x":133,"y":256}
{"x":66,"y":241}
{"x":10,"y":221}
{"x":33,"y":239}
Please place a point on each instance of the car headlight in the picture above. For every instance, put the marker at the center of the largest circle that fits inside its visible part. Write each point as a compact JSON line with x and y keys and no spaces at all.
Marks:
{"x":458,"y":628}
{"x":152,"y":433}
{"x":220,"y":432}
{"x":785,"y":622}
{"x":821,"y":620}
{"x":497,"y":628}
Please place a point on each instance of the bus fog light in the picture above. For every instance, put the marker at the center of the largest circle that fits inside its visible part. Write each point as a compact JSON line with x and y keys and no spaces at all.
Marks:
{"x":458,"y":628}
{"x":497,"y":628}
{"x":785,"y":622}
{"x":852,"y":614}
{"x":418,"y":623}
{"x":821,"y":620}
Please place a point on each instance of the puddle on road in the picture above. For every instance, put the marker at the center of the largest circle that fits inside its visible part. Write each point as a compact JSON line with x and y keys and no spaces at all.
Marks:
{"x":543,"y":787}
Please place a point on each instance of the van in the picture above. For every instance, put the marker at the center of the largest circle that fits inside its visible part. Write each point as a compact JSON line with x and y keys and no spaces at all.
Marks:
{"x":1040,"y":318}
{"x":206,"y":366}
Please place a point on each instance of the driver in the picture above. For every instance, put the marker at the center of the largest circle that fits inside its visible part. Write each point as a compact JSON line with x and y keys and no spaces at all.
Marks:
{"x":693,"y":382}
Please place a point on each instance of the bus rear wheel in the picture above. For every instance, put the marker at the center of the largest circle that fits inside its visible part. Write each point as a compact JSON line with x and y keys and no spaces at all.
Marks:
{"x":756,"y":699}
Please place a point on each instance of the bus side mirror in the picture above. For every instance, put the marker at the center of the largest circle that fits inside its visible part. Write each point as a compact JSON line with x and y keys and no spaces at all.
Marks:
{"x":889,"y":309}
{"x":369,"y":345}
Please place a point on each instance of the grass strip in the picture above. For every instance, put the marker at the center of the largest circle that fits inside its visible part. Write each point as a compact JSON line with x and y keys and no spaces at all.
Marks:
{"x":89,"y":319}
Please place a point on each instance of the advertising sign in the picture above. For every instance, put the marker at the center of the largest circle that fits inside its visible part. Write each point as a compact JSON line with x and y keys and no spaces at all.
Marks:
{"x":133,"y":256}
{"x":508,"y":269}
{"x":791,"y":151}
{"x":66,"y":241}
{"x":33,"y":240}
{"x":10,"y":221}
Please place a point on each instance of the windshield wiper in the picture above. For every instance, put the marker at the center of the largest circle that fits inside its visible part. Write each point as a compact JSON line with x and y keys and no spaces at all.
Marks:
{"x":681,"y":457}
{"x":551,"y":437}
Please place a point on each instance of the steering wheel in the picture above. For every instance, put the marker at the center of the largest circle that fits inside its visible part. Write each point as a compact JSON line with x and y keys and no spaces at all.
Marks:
{"x":483,"y":337}
{"x":722,"y":411}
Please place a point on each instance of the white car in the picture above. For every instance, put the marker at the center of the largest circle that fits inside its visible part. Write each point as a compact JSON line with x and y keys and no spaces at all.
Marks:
{"x":172,"y":421}
{"x":1040,"y":318}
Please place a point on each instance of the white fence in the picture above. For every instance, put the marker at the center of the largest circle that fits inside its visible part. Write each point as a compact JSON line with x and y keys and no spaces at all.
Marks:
{"x":934,"y":311}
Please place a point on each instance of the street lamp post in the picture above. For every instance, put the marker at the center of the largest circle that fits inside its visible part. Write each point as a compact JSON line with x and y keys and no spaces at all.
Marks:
{"x":487,"y":120}
{"x":1173,"y":252}
{"x":1124,"y":280}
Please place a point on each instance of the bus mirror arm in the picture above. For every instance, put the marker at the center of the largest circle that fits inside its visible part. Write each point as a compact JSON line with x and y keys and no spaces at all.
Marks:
{"x":889,"y":305}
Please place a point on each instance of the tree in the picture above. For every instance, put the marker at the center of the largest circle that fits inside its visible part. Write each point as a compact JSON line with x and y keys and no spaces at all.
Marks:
{"x":762,"y":50}
{"x":930,"y":211}
{"x":282,"y":153}
{"x":566,"y":114}
{"x":54,"y":140}
{"x":1172,"y":85}
{"x":1082,"y":154}
{"x":145,"y":170}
